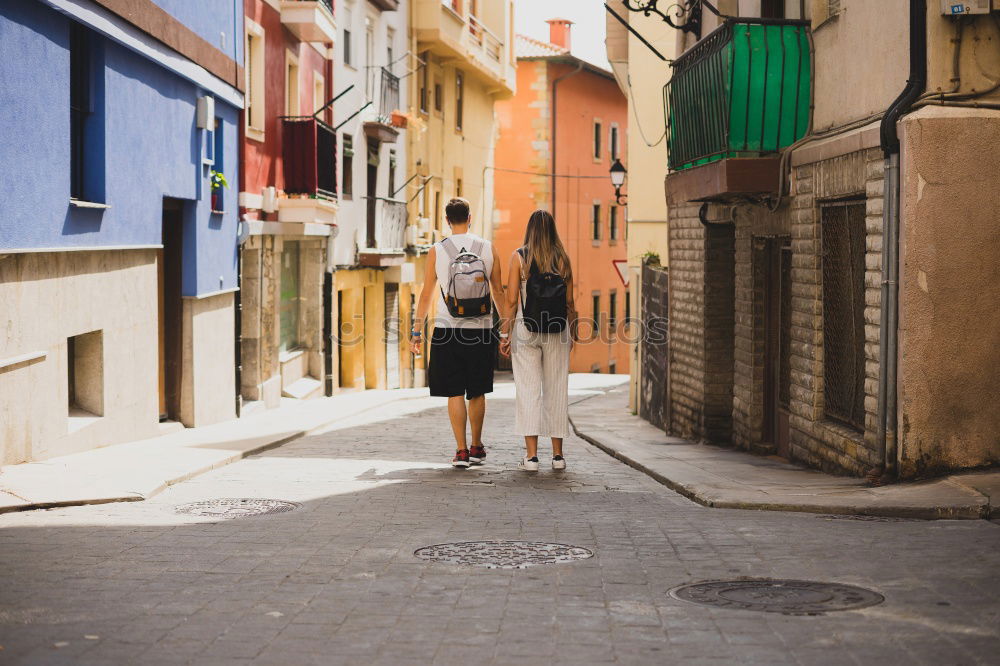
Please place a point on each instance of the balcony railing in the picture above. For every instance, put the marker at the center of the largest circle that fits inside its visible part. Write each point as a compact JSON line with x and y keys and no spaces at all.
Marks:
{"x":309,"y":153}
{"x":742,"y":91}
{"x":386,"y":224}
{"x":487,"y":41}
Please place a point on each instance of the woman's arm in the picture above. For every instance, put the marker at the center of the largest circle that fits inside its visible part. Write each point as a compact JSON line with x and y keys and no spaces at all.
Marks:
{"x":571,"y":314}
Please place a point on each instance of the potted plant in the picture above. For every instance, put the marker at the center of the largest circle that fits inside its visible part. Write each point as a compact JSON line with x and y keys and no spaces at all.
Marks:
{"x":399,"y":119}
{"x":218,"y":182}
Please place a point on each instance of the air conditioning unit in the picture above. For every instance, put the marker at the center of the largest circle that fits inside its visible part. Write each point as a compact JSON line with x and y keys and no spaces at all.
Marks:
{"x":269,"y":199}
{"x":956,"y":8}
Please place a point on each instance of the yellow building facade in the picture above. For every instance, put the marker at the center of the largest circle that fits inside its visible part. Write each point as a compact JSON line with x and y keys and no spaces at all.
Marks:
{"x":642,"y":75}
{"x":462,"y":63}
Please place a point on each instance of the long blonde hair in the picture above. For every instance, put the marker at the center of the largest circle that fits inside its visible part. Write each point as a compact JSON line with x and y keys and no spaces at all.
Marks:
{"x":542,"y":245}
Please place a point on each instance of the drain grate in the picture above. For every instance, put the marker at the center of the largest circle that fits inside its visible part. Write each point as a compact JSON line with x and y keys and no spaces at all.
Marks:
{"x":869,"y":519}
{"x":236,"y":507}
{"x":791,"y":597}
{"x":503,"y":554}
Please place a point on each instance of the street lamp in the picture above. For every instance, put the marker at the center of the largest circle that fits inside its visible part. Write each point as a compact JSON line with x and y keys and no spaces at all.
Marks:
{"x":618,"y":174}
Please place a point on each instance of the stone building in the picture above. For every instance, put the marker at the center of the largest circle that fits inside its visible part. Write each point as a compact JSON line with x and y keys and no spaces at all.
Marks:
{"x":821,"y":308}
{"x":117,"y":264}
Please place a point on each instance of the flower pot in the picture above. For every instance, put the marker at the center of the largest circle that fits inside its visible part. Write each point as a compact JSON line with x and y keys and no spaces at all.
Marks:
{"x":216,"y":201}
{"x":399,"y":119}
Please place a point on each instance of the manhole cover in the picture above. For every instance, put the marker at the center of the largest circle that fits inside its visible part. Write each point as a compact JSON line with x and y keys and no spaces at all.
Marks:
{"x":236,"y":508}
{"x":792,"y":597}
{"x":503,"y":554}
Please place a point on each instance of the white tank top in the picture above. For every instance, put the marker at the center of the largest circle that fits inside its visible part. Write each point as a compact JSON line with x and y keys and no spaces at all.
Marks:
{"x":442,"y":318}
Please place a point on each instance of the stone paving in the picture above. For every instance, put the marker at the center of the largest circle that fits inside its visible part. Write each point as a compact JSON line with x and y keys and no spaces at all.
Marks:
{"x":335,"y":581}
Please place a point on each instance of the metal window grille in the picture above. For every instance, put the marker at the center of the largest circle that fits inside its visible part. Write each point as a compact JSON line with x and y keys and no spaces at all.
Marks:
{"x":843,"y":237}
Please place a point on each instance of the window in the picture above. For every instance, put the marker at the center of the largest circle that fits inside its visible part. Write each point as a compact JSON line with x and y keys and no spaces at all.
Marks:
{"x":291,"y":85}
{"x":290,"y":301}
{"x":772,"y":9}
{"x":843,"y":238}
{"x":319,"y":92}
{"x":613,"y":223}
{"x":438,"y":97}
{"x":219,"y":164}
{"x":79,"y":105}
{"x":255,"y":80}
{"x":85,"y":374}
{"x":458,"y":187}
{"x":597,"y":139}
{"x":459,"y":99}
{"x":437,"y":210}
{"x":390,"y":37}
{"x":347,"y":166}
{"x":596,"y":297}
{"x":628,"y":307}
{"x":614,"y":142}
{"x":348,"y":46}
{"x":392,"y":173}
{"x":425,"y":65}
{"x":612,"y":311}
{"x":596,"y":368}
{"x":612,"y":368}
{"x":596,"y":222}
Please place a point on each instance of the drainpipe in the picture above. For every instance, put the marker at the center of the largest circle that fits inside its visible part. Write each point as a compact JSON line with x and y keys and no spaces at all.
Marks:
{"x":888,"y":318}
{"x":555,"y":90}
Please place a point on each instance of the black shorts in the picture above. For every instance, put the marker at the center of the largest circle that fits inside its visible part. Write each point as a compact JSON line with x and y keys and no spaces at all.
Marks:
{"x":461,"y":362}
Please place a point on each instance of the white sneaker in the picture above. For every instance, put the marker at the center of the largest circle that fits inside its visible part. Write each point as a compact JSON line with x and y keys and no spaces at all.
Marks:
{"x":558,"y":462}
{"x":528,"y":464}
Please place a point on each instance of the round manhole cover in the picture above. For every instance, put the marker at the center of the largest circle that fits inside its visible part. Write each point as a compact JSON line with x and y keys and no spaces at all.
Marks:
{"x":792,"y":597}
{"x":236,"y":507}
{"x":503,"y":554}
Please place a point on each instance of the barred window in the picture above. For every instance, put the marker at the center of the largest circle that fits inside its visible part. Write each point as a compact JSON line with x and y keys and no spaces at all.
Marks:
{"x":843,"y":237}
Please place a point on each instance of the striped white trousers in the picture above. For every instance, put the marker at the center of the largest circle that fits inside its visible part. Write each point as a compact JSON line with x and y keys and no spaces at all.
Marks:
{"x":541,"y":380}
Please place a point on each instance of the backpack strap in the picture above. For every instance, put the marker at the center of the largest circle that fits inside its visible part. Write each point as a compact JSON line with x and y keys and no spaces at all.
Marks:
{"x":477,"y":248}
{"x":450,"y":248}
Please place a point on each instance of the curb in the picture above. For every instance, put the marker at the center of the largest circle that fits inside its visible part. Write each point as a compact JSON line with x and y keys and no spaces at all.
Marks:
{"x":187,"y":476}
{"x":966,"y":512}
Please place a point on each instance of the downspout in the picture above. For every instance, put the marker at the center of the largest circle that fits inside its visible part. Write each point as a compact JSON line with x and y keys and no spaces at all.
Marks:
{"x":888,"y":317}
{"x":555,"y":90}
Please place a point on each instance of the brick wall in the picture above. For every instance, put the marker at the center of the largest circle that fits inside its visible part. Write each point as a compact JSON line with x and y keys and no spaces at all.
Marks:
{"x":701,"y":326}
{"x":815,"y":440}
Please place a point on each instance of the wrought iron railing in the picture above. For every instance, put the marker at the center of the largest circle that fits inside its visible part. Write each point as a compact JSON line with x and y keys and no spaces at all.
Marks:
{"x":309,"y":156}
{"x":742,"y":91}
{"x":383,"y":90}
{"x":386,"y":224}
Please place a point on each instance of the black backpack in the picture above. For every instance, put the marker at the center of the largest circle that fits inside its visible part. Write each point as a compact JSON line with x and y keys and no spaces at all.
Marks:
{"x":544,"y":308}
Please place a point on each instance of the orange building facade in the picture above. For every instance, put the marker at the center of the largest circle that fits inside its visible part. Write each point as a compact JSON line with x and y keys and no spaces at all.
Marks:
{"x":558,"y":137}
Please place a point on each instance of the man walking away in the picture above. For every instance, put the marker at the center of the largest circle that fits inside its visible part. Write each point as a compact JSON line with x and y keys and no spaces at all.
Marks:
{"x":464,"y":269}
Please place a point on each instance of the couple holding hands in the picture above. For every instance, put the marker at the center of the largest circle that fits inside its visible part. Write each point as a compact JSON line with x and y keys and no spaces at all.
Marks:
{"x":537,"y":317}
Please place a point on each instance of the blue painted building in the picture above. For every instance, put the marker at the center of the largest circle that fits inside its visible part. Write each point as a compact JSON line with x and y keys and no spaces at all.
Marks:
{"x":118,"y":266}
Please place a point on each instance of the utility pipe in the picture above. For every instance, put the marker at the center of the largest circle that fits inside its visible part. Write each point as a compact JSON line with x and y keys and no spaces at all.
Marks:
{"x":888,"y":317}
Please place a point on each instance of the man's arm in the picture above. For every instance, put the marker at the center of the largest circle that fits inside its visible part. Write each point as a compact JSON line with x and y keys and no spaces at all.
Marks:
{"x":424,"y":304}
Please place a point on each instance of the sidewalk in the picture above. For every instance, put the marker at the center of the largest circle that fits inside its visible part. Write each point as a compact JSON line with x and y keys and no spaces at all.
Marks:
{"x":138,"y":470}
{"x":726,"y":478}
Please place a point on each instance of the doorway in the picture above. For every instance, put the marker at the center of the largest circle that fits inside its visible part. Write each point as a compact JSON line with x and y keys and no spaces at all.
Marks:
{"x":170,"y":314}
{"x":775,"y":256}
{"x":372,"y":193}
{"x":392,"y":336}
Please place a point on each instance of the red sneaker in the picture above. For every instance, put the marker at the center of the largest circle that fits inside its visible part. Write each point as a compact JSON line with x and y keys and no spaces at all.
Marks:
{"x":477,"y":454}
{"x":461,"y":458}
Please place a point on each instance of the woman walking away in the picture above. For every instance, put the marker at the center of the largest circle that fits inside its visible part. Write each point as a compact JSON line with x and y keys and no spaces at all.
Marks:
{"x":540,"y":287}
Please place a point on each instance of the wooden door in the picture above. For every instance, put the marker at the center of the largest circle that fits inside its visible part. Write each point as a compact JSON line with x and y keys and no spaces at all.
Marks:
{"x":775,"y":258}
{"x":171,"y":309}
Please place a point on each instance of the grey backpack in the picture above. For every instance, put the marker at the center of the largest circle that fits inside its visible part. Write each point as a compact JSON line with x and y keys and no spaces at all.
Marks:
{"x":466,"y":288}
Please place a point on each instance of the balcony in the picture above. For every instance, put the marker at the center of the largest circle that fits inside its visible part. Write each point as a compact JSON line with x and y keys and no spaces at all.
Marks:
{"x":441,"y":27}
{"x":383,"y":87}
{"x":735,"y":100}
{"x":386,"y":5}
{"x":309,"y":155}
{"x":309,"y":20}
{"x":386,"y":232}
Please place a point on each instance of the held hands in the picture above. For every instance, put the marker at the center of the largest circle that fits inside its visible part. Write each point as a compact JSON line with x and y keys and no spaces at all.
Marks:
{"x":416,"y":343}
{"x":505,"y":347}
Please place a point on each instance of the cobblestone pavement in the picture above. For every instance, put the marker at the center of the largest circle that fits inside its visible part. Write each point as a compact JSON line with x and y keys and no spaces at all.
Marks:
{"x":336,"y":581}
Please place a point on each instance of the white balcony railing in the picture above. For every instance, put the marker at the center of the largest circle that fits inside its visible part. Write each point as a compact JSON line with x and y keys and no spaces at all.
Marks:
{"x":386,"y":225}
{"x":488,"y":42}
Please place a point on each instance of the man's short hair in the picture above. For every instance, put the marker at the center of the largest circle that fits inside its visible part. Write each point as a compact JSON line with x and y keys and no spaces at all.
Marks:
{"x":457,"y":210}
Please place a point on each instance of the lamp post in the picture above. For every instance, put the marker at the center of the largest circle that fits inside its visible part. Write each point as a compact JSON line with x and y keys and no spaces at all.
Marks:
{"x":618,"y":174}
